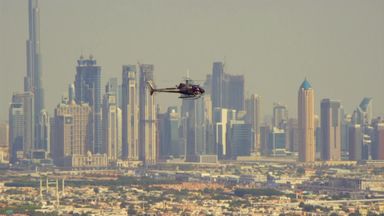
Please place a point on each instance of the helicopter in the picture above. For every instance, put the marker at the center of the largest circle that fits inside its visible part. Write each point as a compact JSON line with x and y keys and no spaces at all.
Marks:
{"x":187,"y":89}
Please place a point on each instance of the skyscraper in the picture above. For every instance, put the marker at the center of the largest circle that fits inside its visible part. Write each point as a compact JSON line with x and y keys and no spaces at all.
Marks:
{"x":364,"y":114}
{"x":71,"y":130}
{"x":227,"y":90}
{"x":280,"y":116}
{"x":172,"y":143}
{"x":378,"y":149}
{"x":235,"y":90}
{"x":355,"y":139}
{"x":33,"y":80}
{"x":43,"y":132}
{"x":112,"y":144}
{"x":253,"y":116}
{"x":16,"y":130}
{"x":292,"y":135}
{"x":87,"y":90}
{"x":306,"y":117}
{"x":22,"y":125}
{"x":330,"y":130}
{"x":217,"y":84}
{"x":265,"y":139}
{"x":130,"y":115}
{"x":147,"y":132}
{"x":221,"y":117}
{"x":240,"y":139}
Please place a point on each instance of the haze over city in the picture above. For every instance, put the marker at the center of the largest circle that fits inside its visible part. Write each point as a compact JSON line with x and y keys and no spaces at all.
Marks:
{"x":191,"y":107}
{"x":337,"y":45}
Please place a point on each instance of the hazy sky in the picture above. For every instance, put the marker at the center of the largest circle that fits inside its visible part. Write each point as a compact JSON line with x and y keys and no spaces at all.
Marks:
{"x":337,"y":44}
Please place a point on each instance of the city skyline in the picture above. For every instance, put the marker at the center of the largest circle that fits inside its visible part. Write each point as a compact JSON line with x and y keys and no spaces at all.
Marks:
{"x":177,"y":60}
{"x":230,"y":141}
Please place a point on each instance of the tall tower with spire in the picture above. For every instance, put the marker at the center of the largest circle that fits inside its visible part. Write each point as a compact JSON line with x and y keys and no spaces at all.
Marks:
{"x":306,"y":117}
{"x":33,"y":80}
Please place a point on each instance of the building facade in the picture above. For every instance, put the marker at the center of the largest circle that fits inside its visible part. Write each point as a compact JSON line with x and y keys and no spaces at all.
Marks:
{"x":306,"y":124}
{"x":147,"y":133}
{"x":330,"y":130}
{"x":88,"y":90}
{"x":71,"y":135}
{"x":253,"y":116}
{"x":130,"y":114}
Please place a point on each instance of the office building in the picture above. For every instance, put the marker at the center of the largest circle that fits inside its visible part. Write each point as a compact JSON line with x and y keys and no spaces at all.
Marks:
{"x":21,"y":126}
{"x":43,"y":131}
{"x":306,"y":117}
{"x":292,"y":135}
{"x":378,"y":144}
{"x":112,"y":124}
{"x":88,"y":90}
{"x":130,"y":113}
{"x":71,"y":135}
{"x":280,"y":116}
{"x":330,"y":130}
{"x":265,"y":139}
{"x":240,"y":139}
{"x":277,"y":142}
{"x":221,"y":117}
{"x":355,"y":138}
{"x":253,"y":117}
{"x":227,"y":90}
{"x":147,"y":115}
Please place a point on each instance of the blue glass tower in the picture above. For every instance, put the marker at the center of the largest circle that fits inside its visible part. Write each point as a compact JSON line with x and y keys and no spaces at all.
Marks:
{"x":87,"y":86}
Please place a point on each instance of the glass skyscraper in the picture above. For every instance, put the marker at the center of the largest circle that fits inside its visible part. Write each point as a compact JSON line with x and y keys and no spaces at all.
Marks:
{"x":87,"y":90}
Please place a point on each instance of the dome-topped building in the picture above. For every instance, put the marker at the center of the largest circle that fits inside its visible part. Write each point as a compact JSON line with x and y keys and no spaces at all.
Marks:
{"x":306,"y":114}
{"x":305,"y":85}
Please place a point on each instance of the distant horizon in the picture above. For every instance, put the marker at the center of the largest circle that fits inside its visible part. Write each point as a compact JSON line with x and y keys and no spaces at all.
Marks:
{"x":275,"y":45}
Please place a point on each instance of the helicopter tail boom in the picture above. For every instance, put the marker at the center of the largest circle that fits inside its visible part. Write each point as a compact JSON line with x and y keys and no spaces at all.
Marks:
{"x":152,"y":89}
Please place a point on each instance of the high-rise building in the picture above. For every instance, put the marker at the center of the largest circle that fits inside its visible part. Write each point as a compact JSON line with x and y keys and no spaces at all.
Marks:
{"x":172,"y":141}
{"x":364,"y":114}
{"x":130,"y":113}
{"x":217,"y":84}
{"x":277,"y":141}
{"x":330,"y":130}
{"x":22,"y":125}
{"x":4,"y":141}
{"x":221,"y":118}
{"x":43,"y":131}
{"x":147,"y":132}
{"x":197,"y":127}
{"x":306,"y":116}
{"x":280,"y":116}
{"x":253,"y":117}
{"x":265,"y":139}
{"x":355,"y":138}
{"x":292,"y":135}
{"x":71,"y":130}
{"x":16,"y":131}
{"x":345,"y":122}
{"x":112,"y":123}
{"x":33,"y":81}
{"x":235,"y":89}
{"x":240,"y":139}
{"x":227,"y":90}
{"x":378,"y":144}
{"x":87,"y":90}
